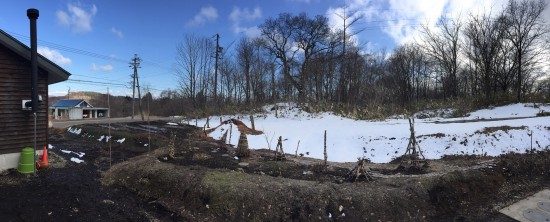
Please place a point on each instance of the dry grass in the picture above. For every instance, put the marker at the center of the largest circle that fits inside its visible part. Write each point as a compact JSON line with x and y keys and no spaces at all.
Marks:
{"x":505,"y":128}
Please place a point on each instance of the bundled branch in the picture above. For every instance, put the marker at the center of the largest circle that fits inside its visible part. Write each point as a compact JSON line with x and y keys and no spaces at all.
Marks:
{"x":172,"y":146}
{"x":242,"y":146}
{"x":279,"y":153}
{"x":413,"y":155}
{"x":360,"y":172}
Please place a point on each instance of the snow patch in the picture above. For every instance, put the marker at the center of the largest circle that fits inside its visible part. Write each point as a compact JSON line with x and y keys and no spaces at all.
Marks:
{"x":121,"y":140}
{"x":79,"y":154}
{"x":382,"y":141}
{"x":76,"y":160}
{"x":76,"y":131}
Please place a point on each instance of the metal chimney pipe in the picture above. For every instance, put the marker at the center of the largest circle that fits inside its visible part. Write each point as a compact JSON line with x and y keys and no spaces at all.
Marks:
{"x":33,"y":16}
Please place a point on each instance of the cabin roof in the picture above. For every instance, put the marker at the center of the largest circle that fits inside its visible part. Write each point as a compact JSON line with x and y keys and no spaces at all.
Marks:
{"x":55,"y":73}
{"x":69,"y":103}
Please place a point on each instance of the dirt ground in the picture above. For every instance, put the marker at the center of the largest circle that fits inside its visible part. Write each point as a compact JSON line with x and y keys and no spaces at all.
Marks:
{"x":201,"y":180}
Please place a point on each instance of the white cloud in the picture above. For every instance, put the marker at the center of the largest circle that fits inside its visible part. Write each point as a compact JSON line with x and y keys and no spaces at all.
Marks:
{"x":245,"y":14}
{"x":250,"y":32}
{"x":117,"y":32}
{"x":54,"y":56}
{"x":238,"y":16}
{"x":206,"y":14}
{"x":78,"y":19}
{"x":57,"y":93}
{"x":412,"y":13}
{"x":105,"y":68}
{"x":401,"y":20}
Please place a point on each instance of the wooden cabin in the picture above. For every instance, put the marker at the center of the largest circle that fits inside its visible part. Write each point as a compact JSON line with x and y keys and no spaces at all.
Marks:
{"x":17,"y":122}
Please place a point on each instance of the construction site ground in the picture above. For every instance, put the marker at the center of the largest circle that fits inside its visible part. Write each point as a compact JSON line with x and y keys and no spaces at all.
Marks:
{"x":203,"y":181}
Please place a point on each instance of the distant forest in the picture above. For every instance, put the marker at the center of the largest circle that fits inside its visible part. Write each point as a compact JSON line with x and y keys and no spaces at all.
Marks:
{"x":470,"y":61}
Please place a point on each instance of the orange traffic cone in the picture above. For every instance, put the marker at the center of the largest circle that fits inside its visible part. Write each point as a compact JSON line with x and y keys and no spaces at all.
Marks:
{"x":44,"y":158}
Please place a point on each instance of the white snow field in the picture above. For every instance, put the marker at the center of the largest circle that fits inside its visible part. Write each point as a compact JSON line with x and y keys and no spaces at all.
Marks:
{"x":382,"y":141}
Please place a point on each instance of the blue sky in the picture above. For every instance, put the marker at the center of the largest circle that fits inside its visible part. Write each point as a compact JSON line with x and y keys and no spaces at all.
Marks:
{"x":95,"y":40}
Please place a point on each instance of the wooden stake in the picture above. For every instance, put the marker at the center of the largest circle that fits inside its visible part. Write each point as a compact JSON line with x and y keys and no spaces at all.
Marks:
{"x":326,"y":156}
{"x":148,"y":120}
{"x":252,"y":121}
{"x":230,"y":131}
{"x":109,"y":115}
{"x":296,"y":153}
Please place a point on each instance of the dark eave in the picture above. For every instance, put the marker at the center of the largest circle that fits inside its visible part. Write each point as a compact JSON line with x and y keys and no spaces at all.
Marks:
{"x":55,"y":73}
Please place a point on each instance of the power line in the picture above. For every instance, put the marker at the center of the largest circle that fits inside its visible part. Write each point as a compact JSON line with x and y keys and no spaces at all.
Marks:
{"x":83,"y":52}
{"x":95,"y":77}
{"x":96,"y":82}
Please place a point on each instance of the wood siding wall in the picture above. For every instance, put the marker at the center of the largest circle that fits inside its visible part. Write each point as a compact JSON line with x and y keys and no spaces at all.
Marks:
{"x":17,"y":125}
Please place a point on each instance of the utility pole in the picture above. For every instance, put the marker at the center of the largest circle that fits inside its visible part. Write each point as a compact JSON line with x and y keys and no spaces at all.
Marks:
{"x":69,"y":93}
{"x":135,"y":82}
{"x":218,"y":50}
{"x":133,"y":87}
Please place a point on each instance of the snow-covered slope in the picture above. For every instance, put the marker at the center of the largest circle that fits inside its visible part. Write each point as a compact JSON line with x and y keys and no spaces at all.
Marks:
{"x":382,"y":141}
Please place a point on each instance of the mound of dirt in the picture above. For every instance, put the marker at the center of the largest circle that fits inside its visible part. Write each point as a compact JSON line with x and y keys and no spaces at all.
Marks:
{"x":203,"y":181}
{"x":243,"y":192}
{"x":202,"y":194}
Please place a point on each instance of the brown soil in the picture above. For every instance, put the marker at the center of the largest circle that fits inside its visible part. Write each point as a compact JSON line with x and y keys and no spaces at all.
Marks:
{"x":205,"y":182}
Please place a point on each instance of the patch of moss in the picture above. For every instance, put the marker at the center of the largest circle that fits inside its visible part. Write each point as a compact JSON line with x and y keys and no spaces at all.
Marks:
{"x":222,"y":186}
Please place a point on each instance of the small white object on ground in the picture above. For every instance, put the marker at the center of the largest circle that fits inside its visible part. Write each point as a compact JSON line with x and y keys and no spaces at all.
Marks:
{"x":76,"y":160}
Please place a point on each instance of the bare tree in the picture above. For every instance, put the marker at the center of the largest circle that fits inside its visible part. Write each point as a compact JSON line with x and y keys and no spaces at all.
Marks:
{"x":442,"y":45}
{"x":526,"y":29}
{"x":311,"y":36}
{"x":193,"y":67}
{"x":245,"y":55}
{"x":285,"y":32}
{"x":484,"y":38}
{"x":405,"y":69}
{"x":277,"y":33}
{"x":227,"y":71}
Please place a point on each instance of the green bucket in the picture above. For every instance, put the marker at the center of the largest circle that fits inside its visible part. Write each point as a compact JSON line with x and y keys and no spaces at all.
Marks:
{"x":26,"y":161}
